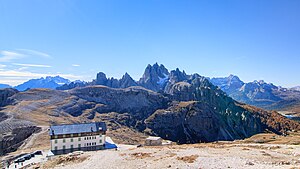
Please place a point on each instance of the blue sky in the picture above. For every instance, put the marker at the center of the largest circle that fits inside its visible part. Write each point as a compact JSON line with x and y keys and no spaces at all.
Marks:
{"x":253,"y":39}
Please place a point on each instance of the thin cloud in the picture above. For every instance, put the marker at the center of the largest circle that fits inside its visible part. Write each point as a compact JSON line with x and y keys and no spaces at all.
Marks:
{"x":31,"y":52}
{"x":8,"y":56}
{"x":75,"y":65}
{"x":2,"y":66}
{"x":22,"y":68}
{"x":31,"y":65}
{"x":14,"y":77}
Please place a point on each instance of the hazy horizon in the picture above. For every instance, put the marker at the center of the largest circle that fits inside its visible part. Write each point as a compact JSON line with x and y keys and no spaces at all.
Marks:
{"x":78,"y":39}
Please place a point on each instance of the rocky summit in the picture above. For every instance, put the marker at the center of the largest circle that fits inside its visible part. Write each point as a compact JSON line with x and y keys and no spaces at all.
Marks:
{"x":155,"y":77}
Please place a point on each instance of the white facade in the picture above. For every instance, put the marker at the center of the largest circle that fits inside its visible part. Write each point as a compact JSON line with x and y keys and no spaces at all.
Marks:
{"x":77,"y":142}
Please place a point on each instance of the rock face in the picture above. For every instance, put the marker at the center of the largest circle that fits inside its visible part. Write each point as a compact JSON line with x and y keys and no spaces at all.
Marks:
{"x":11,"y":142}
{"x":124,"y":82}
{"x":5,"y":95}
{"x":48,"y":83}
{"x":228,"y":84}
{"x":193,"y":122}
{"x":137,"y":101}
{"x":155,"y":77}
{"x":258,"y":91}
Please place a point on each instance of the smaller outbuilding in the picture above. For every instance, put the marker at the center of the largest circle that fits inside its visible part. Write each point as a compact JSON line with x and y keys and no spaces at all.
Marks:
{"x":153,"y":141}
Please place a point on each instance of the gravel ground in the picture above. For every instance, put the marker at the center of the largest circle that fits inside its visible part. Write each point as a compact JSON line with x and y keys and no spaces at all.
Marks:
{"x":204,"y":156}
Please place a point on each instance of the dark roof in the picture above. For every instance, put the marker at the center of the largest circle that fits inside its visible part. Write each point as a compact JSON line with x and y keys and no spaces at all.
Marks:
{"x":77,"y":128}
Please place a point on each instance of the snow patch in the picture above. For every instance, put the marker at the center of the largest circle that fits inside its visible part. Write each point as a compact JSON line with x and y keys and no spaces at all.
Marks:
{"x":162,"y":81}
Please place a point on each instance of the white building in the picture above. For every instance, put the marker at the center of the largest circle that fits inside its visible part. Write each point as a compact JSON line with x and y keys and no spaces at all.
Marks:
{"x":153,"y":141}
{"x":77,"y":137}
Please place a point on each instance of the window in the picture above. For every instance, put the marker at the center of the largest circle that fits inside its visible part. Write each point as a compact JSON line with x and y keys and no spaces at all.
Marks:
{"x":79,"y":134}
{"x":71,"y":146}
{"x":64,"y":136}
{"x":79,"y":145}
{"x":79,"y":139}
{"x":55,"y":148}
{"x":55,"y":136}
{"x":71,"y":139}
{"x":55,"y":141}
{"x":72,"y":135}
{"x":64,"y":147}
{"x":100,"y":135}
{"x":64,"y":140}
{"x":100,"y":141}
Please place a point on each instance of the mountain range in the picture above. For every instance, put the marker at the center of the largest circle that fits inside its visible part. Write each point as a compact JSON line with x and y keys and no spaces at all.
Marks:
{"x":171,"y":104}
{"x":47,"y":82}
{"x":258,"y":93}
{"x":296,"y":88}
{"x":156,"y":78}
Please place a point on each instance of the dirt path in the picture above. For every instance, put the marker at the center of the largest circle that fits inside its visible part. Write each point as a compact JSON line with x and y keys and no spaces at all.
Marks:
{"x":29,"y":142}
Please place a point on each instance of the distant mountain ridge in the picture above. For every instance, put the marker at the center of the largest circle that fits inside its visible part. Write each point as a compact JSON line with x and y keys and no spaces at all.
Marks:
{"x":257,"y":93}
{"x":3,"y":86}
{"x":48,"y":82}
{"x":296,"y":88}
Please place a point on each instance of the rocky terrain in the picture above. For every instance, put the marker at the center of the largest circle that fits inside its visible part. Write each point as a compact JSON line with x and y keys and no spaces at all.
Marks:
{"x":5,"y":95}
{"x":193,"y":122}
{"x":12,"y":141}
{"x":180,"y":107}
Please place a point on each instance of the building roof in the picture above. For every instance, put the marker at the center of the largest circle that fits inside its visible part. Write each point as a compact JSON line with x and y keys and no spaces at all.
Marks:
{"x":153,"y":138}
{"x":77,"y":128}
